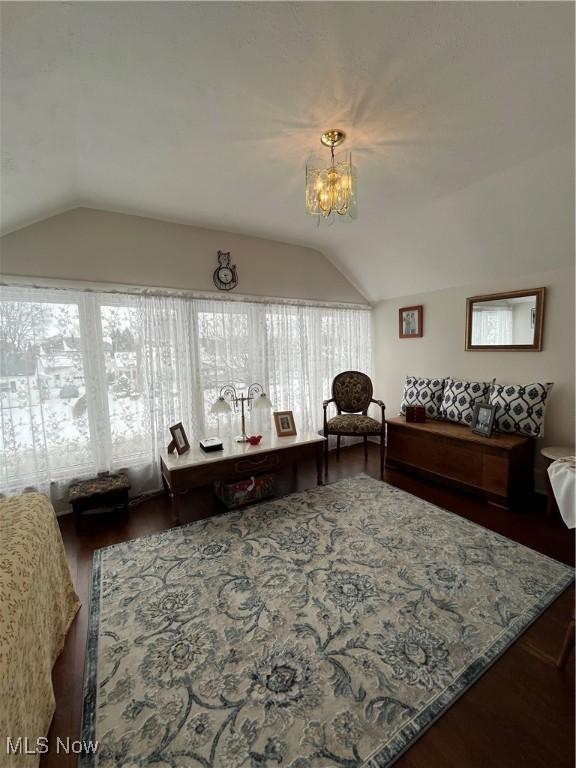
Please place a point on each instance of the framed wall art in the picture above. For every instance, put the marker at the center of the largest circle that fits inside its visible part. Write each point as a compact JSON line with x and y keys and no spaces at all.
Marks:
{"x":410,"y":322}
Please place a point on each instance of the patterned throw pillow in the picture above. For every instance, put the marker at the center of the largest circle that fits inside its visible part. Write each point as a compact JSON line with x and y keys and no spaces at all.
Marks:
{"x":460,"y":397}
{"x":520,"y":407}
{"x":426,"y":392}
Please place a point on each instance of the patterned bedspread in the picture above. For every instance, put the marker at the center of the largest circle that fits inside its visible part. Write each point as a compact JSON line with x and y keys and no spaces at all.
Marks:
{"x":37,"y":606}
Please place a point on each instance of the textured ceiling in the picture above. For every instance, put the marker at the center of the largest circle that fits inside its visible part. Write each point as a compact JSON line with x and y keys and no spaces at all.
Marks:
{"x":206,"y":112}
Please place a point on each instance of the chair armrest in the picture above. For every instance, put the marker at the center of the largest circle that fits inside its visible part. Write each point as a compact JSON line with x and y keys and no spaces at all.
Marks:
{"x":382,"y":406}
{"x":326,"y":403}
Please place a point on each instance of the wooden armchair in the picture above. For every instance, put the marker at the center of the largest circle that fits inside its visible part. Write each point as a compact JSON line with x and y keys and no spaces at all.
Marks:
{"x":352,"y":393}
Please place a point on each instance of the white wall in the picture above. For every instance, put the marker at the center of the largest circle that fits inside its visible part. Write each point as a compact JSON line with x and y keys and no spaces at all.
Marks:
{"x":440,"y":352}
{"x":98,"y":246}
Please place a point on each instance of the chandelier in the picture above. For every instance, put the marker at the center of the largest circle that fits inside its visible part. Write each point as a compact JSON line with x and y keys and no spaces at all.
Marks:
{"x":256,"y":398}
{"x":330,"y":190}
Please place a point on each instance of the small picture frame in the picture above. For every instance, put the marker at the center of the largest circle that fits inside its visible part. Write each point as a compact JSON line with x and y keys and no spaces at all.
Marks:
{"x":410,"y":322}
{"x":483,"y":419}
{"x":285,"y":424}
{"x":179,"y":441}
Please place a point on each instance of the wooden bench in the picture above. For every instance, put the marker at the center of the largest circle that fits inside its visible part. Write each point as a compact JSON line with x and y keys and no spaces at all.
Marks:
{"x":499,"y":468}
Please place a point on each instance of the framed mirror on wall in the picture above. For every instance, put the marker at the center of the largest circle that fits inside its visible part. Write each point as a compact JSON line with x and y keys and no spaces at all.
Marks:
{"x":511,"y":320}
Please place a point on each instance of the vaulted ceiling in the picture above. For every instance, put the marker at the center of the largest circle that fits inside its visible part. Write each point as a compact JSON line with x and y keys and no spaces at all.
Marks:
{"x":459,"y":117}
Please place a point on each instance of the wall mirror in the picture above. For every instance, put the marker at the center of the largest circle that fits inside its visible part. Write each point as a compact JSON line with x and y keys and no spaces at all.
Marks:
{"x":512,"y":320}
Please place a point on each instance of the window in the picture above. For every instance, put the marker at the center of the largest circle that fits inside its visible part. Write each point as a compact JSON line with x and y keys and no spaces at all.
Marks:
{"x":43,"y":392}
{"x":122,"y":345}
{"x":92,"y":381}
{"x":492,"y":325}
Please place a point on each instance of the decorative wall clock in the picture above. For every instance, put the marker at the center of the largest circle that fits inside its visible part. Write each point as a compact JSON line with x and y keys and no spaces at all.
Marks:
{"x":225,"y":274}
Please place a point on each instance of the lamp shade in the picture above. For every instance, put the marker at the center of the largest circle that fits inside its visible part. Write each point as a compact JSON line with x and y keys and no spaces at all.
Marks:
{"x":220,"y":406}
{"x":262,"y":402}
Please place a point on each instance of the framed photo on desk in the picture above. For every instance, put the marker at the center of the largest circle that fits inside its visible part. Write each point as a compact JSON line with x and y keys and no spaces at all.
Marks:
{"x":483,"y":419}
{"x":179,"y":441}
{"x":284,"y":422}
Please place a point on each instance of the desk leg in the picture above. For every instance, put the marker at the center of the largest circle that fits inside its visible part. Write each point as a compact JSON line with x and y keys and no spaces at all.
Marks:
{"x":174,"y":499}
{"x":319,"y":473}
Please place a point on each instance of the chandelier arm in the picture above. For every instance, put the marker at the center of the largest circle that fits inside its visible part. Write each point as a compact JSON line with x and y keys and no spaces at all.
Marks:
{"x":228,"y":392}
{"x":255,"y":389}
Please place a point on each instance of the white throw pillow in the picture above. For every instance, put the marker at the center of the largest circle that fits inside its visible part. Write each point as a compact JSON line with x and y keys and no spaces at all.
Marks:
{"x":426,"y":392}
{"x":520,"y":407}
{"x":460,"y":397}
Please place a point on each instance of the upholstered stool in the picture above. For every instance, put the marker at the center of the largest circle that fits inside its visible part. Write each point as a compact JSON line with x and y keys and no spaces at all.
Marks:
{"x":106,"y":490}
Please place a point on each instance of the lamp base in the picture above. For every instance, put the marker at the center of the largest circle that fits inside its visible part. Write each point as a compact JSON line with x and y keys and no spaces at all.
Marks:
{"x":241,"y":439}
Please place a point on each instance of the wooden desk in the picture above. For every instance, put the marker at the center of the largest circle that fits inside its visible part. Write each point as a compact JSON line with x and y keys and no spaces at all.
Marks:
{"x":500,"y":468}
{"x":195,"y":468}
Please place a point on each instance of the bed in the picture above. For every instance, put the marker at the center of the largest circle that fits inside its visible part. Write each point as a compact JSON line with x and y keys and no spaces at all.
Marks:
{"x":37,"y":605}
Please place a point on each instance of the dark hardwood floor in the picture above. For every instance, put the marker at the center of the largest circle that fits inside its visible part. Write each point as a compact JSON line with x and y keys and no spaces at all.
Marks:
{"x":520,"y":713}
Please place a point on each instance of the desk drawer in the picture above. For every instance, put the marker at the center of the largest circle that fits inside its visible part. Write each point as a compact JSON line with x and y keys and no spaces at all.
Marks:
{"x":186,"y":478}
{"x":257,"y":463}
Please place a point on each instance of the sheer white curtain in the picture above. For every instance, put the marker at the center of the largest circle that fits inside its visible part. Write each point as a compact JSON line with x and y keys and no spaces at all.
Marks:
{"x":307,"y":347}
{"x":91,"y":381}
{"x":492,"y":326}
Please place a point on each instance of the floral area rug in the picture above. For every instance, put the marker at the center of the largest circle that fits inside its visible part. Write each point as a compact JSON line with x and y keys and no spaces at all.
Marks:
{"x":326,"y":628}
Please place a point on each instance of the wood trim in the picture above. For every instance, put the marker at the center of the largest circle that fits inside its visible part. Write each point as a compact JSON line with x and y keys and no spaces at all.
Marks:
{"x":540,"y":294}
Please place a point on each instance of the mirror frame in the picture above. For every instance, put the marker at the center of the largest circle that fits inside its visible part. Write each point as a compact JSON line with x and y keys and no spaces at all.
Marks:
{"x":536,"y":346}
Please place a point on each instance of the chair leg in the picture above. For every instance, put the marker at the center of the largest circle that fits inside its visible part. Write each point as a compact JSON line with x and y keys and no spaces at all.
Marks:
{"x":326,"y":453}
{"x":382,"y":449}
{"x":365,"y":448}
{"x":338,"y":447}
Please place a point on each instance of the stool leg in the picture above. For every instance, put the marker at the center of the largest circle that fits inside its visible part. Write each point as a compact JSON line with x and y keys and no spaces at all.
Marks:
{"x":338,"y":447}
